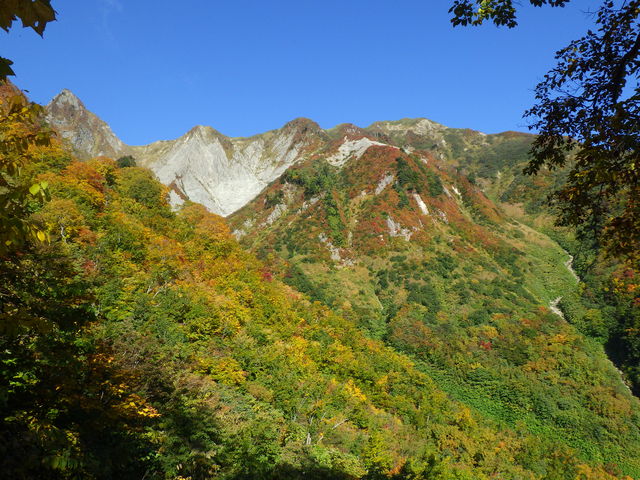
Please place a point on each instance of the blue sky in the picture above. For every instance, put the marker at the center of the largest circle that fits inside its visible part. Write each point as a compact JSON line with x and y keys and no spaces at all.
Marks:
{"x":154,"y":69}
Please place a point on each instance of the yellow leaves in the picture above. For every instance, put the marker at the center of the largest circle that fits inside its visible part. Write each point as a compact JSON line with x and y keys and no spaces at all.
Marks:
{"x":38,"y":235}
{"x":296,"y":349}
{"x":149,"y":412}
{"x":222,"y":316}
{"x":115,"y":388}
{"x":340,"y":354}
{"x":588,"y":472}
{"x":626,"y":282}
{"x":558,"y":343}
{"x":354,"y":392}
{"x":543,"y":364}
{"x":499,"y":446}
{"x":62,"y":217}
{"x":165,"y":252}
{"x":464,"y":419}
{"x":488,"y":331}
{"x":20,"y":134}
{"x":231,"y":316}
{"x":383,"y":382}
{"x":138,"y":406}
{"x":84,"y":181}
{"x":104,"y":166}
{"x":225,"y":370}
{"x":210,"y":226}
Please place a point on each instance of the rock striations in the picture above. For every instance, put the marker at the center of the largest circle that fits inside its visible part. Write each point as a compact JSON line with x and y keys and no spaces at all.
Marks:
{"x":222,"y":173}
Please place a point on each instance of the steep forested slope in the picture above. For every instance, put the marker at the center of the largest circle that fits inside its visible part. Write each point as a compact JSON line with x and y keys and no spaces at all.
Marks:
{"x":138,"y":342}
{"x":421,"y":258}
{"x":606,"y":306}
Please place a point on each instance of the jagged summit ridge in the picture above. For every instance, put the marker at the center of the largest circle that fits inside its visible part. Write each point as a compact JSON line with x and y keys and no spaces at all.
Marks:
{"x":224,"y":173}
{"x":203,"y":165}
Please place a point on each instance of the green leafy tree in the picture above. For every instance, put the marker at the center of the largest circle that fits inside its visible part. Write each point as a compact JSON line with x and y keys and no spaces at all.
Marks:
{"x":587,"y":115}
{"x":500,"y":12}
{"x":141,"y":185}
{"x":126,"y":161}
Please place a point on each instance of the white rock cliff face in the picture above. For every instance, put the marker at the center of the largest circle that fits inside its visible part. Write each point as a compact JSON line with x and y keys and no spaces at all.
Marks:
{"x":222,"y":173}
{"x":351,"y":149}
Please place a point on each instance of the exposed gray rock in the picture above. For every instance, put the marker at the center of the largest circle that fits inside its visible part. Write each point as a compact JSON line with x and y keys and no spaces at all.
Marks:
{"x":87,"y":134}
{"x":421,"y":204}
{"x":384,"y":183}
{"x":397,"y":230}
{"x":222,"y":173}
{"x":352,"y":149}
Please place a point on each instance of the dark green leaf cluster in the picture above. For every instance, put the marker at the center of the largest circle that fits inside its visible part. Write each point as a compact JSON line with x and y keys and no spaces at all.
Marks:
{"x":316,"y":179}
{"x":588,"y":113}
{"x":35,"y":14}
{"x":126,"y":161}
{"x":500,"y":12}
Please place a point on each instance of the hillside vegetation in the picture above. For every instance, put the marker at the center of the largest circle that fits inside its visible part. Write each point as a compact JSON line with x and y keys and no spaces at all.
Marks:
{"x":139,"y":342}
{"x":421,"y":258}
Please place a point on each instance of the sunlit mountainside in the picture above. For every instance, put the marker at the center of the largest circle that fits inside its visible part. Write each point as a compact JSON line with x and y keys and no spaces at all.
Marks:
{"x":382,"y":302}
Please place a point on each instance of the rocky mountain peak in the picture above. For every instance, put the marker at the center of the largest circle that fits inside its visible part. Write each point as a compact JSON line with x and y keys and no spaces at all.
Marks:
{"x":66,"y":98}
{"x":87,"y":134}
{"x":303,"y":124}
{"x":303,"y":131}
{"x":349,"y":130}
{"x":225,"y":173}
{"x":416,"y":125}
{"x":205,"y":133}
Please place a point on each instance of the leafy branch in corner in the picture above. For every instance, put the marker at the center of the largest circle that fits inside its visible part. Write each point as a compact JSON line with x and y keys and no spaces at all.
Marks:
{"x":587,"y":117}
{"x":34,"y":14}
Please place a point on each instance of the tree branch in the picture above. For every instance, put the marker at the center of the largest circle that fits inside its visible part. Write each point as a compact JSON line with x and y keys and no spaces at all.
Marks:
{"x":618,"y":78}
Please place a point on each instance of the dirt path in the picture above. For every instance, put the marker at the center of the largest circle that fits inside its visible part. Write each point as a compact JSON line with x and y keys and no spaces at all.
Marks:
{"x":569,"y":265}
{"x":553,"y":306}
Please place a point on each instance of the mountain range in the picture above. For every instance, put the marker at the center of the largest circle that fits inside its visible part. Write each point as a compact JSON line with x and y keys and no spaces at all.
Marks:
{"x":429,"y":241}
{"x":224,"y":173}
